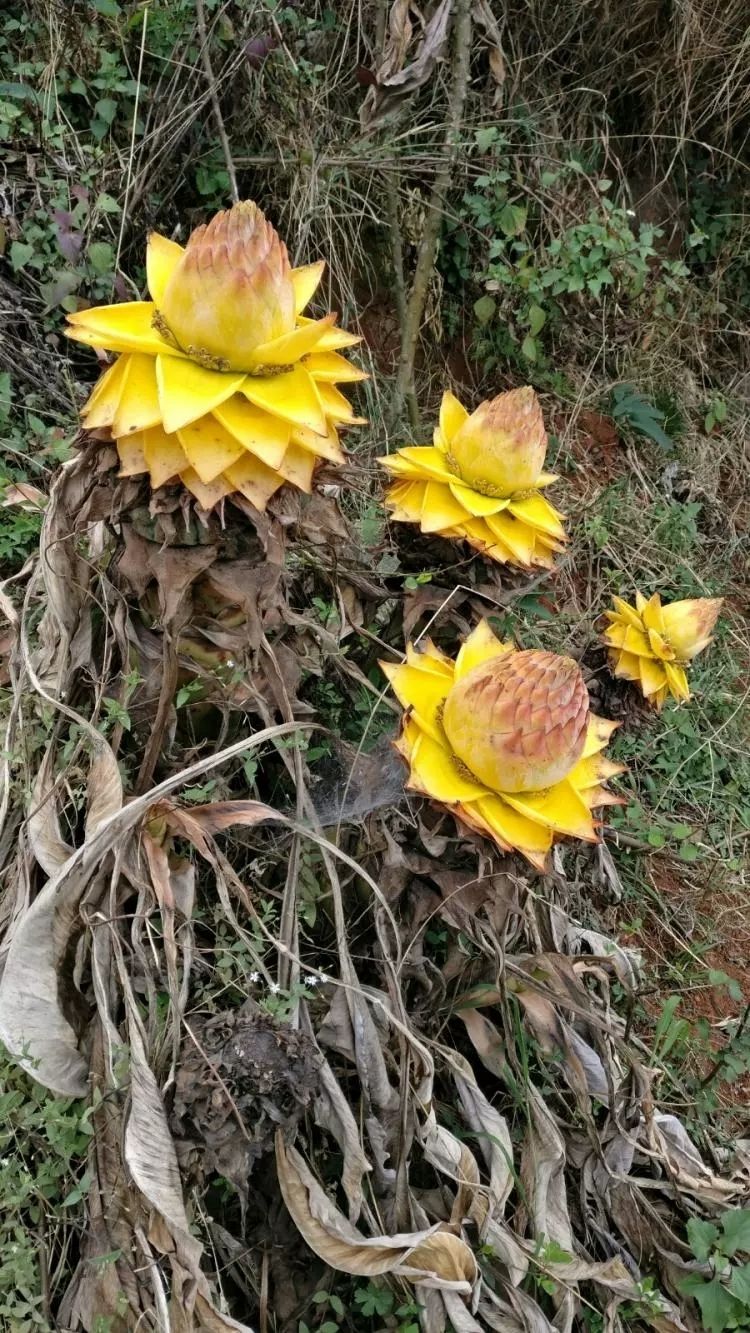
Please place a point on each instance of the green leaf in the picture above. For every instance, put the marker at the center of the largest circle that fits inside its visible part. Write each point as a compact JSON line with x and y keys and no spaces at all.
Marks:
{"x":106,"y":109}
{"x":537,"y":319}
{"x":101,"y":257}
{"x":718,"y":1307}
{"x":6,"y":396}
{"x":512,"y":219}
{"x":656,"y":838}
{"x":485,"y":138}
{"x":529,"y":348}
{"x":689,"y":851}
{"x":736,"y":1227}
{"x":484,"y":309}
{"x":108,"y":8}
{"x":739,"y":1284}
{"x":20,"y":254}
{"x":702,"y":1237}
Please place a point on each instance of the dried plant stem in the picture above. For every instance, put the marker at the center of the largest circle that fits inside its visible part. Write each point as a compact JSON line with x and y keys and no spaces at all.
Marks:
{"x":404,"y":390}
{"x":200,"y":14}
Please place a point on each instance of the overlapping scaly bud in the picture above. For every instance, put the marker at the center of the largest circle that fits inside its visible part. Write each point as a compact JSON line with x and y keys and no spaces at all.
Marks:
{"x":481,"y":480}
{"x":651,"y":644}
{"x":506,"y":739}
{"x":221,"y":382}
{"x":519,"y":721}
{"x":231,"y":290}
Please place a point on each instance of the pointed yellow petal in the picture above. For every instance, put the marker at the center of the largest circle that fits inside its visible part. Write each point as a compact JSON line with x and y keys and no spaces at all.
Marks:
{"x":514,"y":534}
{"x":334,"y":339}
{"x":291,"y":396}
{"x":306,"y":281}
{"x":478,"y":505}
{"x":559,"y":808}
{"x":653,"y":675}
{"x":188,"y":391}
{"x":422,"y":691}
{"x":324,"y":446}
{"x":291,"y":347}
{"x":337,"y":407}
{"x":486,"y":541}
{"x":256,"y":481}
{"x":599,"y":732}
{"x":659,"y":646}
{"x":677,"y":681}
{"x":132,"y":458}
{"x":428,"y":657}
{"x":439,"y":509}
{"x":330,"y":368}
{"x":627,"y":666}
{"x":162,"y":256}
{"x":635,"y":641}
{"x":120,"y":328}
{"x":628,"y":613}
{"x":405,"y":501}
{"x":165,"y":456}
{"x":210,"y":448}
{"x":514,"y":829}
{"x":592,"y":771}
{"x":206,"y":493}
{"x":652,"y":615}
{"x":102,"y":405}
{"x":138,"y":408}
{"x":481,"y":646}
{"x":435,"y":773}
{"x":539,"y":513}
{"x":546,"y":479}
{"x":417,"y":463}
{"x":452,"y":415}
{"x":297,"y":467}
{"x":259,"y":432}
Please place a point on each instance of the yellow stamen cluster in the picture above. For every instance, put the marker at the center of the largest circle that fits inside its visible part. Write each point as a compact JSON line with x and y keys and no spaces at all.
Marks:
{"x":506,"y":739}
{"x":481,"y":480}
{"x":220,"y":380}
{"x":651,"y":644}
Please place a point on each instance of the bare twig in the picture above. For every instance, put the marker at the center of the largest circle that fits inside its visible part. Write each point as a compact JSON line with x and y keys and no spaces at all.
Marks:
{"x":404,"y":389}
{"x":200,"y":14}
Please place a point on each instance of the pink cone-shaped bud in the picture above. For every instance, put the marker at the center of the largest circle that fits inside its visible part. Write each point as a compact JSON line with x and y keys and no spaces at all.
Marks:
{"x":518,"y":722}
{"x":232,"y":289}
{"x":500,"y":448}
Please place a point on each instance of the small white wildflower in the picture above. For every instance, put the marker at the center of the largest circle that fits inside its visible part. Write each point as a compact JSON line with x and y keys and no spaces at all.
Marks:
{"x":322,"y":979}
{"x":311,"y":981}
{"x":274,"y":988}
{"x":230,"y":662}
{"x":254,"y":976}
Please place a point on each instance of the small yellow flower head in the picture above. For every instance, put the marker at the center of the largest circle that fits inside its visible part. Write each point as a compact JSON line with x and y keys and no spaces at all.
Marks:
{"x":651,"y":644}
{"x":500,"y":448}
{"x":221,"y":381}
{"x":519,"y":721}
{"x":506,"y":739}
{"x":481,"y":481}
{"x":231,"y":289}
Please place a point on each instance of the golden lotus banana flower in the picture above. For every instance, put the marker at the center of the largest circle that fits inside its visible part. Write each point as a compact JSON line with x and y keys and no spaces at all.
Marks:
{"x":506,"y":739}
{"x":220,"y":380}
{"x":651,"y":644}
{"x":481,"y":480}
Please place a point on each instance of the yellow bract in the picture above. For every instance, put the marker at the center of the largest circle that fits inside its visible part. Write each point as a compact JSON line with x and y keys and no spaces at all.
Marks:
{"x":481,"y":481}
{"x":220,"y":380}
{"x":650,"y":644}
{"x":546,"y":718}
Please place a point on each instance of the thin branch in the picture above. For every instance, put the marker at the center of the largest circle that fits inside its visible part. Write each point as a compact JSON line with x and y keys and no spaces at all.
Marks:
{"x":200,"y":13}
{"x":404,"y":388}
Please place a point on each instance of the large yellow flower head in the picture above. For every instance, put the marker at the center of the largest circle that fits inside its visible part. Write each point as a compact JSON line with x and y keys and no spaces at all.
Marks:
{"x":506,"y":739}
{"x":651,"y":644}
{"x":481,"y":480}
{"x":221,"y":381}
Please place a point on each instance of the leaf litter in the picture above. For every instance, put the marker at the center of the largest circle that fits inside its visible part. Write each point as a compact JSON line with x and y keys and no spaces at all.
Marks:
{"x":444,"y":1092}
